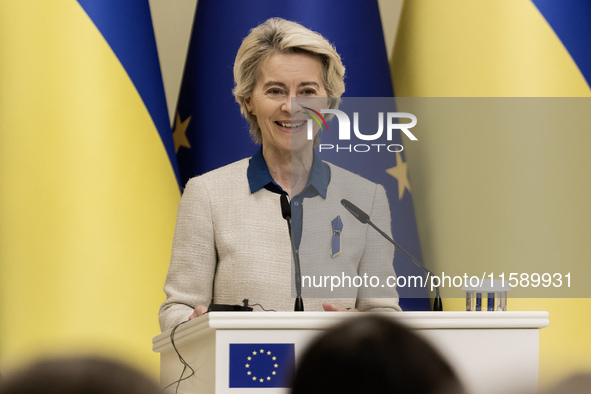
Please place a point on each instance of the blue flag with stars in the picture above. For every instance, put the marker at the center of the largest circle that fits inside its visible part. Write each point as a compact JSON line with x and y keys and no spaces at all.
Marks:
{"x":210,"y":132}
{"x":261,"y":364}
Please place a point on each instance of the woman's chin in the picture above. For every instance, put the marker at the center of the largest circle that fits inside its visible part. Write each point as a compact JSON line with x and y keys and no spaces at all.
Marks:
{"x":299,"y":146}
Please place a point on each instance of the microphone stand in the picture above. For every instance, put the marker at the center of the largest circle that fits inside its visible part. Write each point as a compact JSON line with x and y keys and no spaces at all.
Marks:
{"x":364,"y":218}
{"x":286,"y":212}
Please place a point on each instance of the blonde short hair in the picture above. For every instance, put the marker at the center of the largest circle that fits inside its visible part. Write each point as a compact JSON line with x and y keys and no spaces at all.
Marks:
{"x":280,"y":36}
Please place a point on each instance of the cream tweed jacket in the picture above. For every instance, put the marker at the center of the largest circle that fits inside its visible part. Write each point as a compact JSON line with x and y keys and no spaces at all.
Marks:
{"x":231,"y":244}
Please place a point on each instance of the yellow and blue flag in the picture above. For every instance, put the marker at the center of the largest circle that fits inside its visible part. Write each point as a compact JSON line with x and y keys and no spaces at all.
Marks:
{"x":88,"y":188}
{"x":498,"y":197}
{"x":127,"y":28}
{"x":571,"y":22}
{"x":505,"y":48}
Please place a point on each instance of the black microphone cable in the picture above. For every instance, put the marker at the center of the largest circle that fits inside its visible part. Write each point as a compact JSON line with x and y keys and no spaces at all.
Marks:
{"x":181,"y":359}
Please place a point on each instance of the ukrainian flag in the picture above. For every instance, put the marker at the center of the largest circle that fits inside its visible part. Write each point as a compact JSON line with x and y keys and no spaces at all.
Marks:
{"x":502,"y":48}
{"x":88,"y":191}
{"x":505,"y":48}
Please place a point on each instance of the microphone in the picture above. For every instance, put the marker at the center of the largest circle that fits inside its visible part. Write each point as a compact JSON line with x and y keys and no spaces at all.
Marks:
{"x":286,"y":213}
{"x":364,"y":218}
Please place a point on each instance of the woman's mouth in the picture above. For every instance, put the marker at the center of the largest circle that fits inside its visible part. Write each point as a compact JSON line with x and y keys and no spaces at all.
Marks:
{"x":291,"y":126}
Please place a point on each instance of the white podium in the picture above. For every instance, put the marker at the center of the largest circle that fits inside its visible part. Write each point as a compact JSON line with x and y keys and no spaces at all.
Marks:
{"x":492,"y":352}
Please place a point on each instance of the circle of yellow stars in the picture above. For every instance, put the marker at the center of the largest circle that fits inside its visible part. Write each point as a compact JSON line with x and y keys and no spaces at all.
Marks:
{"x":249,"y":359}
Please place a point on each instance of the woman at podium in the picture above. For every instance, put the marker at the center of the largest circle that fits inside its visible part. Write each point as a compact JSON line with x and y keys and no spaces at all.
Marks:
{"x":231,"y":240}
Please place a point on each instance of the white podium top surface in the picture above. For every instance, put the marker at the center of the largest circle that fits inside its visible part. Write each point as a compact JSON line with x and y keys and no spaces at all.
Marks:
{"x":321,"y":320}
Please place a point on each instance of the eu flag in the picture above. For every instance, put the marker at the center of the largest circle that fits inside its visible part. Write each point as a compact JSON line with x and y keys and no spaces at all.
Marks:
{"x":261,"y":364}
{"x":209,"y":131}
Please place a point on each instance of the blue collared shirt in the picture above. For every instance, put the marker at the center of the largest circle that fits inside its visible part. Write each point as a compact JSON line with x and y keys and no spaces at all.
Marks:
{"x":259,"y":177}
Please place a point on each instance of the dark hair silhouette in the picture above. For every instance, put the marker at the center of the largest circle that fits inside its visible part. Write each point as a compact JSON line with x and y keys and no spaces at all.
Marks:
{"x":78,"y":375}
{"x":373,"y":354}
{"x":578,"y":383}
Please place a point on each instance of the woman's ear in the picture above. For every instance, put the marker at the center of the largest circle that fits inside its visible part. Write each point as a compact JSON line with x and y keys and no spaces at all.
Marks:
{"x":248,"y":104}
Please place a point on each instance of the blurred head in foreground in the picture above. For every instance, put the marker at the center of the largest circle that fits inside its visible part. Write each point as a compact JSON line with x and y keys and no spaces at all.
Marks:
{"x":373,"y":354}
{"x":579,"y":383}
{"x":77,"y":375}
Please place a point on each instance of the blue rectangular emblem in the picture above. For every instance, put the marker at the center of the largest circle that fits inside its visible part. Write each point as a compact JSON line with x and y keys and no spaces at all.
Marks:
{"x":261,"y":364}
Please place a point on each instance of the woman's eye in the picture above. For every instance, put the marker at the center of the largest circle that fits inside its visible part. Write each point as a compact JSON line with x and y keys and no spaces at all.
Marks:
{"x":274,"y":92}
{"x":308,"y":92}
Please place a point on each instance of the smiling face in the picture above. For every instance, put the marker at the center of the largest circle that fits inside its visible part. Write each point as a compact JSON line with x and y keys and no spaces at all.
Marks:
{"x":282,"y":77}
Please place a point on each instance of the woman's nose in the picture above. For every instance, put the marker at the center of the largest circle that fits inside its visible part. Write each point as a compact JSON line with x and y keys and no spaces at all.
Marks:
{"x":291,"y":105}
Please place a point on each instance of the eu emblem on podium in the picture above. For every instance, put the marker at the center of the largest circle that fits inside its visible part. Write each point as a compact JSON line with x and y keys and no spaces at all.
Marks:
{"x":261,"y":364}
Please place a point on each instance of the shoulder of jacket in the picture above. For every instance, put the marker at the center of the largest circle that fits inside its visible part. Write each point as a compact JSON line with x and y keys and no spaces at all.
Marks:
{"x":343,"y":177}
{"x":227,"y":173}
